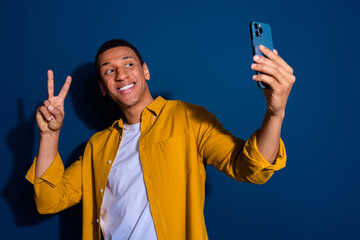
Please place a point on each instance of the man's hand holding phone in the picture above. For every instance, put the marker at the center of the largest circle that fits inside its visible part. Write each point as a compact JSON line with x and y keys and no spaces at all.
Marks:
{"x":276,"y":78}
{"x":275,"y":72}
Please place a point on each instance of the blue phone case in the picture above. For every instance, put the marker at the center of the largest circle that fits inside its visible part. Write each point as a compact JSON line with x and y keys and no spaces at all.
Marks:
{"x":260,"y":35}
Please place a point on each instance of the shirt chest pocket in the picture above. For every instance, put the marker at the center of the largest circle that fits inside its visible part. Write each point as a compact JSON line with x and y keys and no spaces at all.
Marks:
{"x":172,"y":157}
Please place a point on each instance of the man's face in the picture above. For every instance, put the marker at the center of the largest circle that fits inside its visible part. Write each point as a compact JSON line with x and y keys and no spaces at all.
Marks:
{"x":123,"y":78}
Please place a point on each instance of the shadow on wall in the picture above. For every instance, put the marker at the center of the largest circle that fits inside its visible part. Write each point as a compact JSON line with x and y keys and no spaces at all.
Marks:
{"x":18,"y":192}
{"x":96,"y":111}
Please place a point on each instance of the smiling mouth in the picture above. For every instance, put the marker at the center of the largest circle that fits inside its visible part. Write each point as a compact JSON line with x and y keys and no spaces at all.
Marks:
{"x":126,"y":87}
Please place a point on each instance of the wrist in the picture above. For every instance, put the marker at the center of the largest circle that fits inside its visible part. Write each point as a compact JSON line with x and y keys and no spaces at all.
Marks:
{"x":275,"y":120}
{"x":50,"y":134}
{"x":279,"y":115}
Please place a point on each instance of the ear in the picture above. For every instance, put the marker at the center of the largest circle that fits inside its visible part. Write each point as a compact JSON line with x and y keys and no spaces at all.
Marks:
{"x":146,"y":71}
{"x":102,"y":88}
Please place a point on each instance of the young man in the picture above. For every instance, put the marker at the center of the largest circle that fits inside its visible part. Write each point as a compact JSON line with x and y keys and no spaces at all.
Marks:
{"x":144,"y":176}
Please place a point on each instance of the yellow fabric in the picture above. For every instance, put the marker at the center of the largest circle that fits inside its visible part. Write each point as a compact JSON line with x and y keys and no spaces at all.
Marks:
{"x":177,"y":140}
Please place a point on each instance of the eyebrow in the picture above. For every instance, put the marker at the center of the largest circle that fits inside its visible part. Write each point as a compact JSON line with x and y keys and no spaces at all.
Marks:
{"x":107,"y":63}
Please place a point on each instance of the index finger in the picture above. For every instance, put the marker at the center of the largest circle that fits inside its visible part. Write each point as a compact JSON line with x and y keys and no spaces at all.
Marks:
{"x":65,"y":88}
{"x":50,"y":83}
{"x":273,"y":56}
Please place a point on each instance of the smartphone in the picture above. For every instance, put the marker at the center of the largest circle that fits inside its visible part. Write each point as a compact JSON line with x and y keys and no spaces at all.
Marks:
{"x":260,"y":35}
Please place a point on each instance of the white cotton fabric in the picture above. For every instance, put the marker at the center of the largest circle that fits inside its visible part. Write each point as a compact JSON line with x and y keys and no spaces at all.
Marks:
{"x":125,"y":211}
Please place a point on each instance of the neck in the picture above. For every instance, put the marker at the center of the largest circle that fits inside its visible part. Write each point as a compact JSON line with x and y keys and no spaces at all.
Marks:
{"x":133,"y":113}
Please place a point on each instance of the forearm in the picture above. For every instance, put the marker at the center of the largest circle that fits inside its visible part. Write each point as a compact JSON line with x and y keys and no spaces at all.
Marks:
{"x":268,"y":137}
{"x":48,"y":148}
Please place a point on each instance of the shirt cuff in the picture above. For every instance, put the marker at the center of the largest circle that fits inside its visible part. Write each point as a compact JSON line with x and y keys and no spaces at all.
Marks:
{"x":257,"y":161}
{"x":51,"y":176}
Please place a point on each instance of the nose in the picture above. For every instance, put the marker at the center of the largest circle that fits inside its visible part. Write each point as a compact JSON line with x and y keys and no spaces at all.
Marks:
{"x":121,"y":74}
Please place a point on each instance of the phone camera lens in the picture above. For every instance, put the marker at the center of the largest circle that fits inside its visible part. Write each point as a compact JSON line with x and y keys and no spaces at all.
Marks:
{"x":257,"y":33}
{"x":261,"y":30}
{"x":256,"y":26}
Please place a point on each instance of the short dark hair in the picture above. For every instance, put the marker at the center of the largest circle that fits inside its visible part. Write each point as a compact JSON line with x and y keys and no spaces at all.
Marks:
{"x":112,"y":44}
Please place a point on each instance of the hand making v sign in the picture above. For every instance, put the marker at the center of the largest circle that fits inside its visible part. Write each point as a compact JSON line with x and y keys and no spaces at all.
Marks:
{"x":50,"y":115}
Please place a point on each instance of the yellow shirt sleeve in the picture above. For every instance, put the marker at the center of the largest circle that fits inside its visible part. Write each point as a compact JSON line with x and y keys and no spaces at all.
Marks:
{"x":236,"y":158}
{"x":262,"y":170}
{"x":57,"y":189}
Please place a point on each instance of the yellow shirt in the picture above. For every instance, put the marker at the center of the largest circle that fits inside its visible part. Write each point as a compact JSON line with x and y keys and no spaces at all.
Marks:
{"x":177,"y":140}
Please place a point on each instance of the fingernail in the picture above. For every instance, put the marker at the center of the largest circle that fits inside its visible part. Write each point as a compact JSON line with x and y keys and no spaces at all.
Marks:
{"x":253,"y":65}
{"x":255,"y":76}
{"x":257,"y":57}
{"x":50,"y":118}
{"x":262,"y":47}
{"x":50,"y":107}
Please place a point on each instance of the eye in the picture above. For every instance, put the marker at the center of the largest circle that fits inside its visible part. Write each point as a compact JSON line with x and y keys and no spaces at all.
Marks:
{"x":109,"y":71}
{"x":129,"y":65}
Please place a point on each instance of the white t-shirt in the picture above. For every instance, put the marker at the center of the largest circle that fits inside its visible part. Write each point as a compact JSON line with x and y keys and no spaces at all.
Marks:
{"x":125,"y":211}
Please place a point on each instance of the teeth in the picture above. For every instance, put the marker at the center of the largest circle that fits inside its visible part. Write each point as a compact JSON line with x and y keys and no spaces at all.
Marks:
{"x":126,"y":87}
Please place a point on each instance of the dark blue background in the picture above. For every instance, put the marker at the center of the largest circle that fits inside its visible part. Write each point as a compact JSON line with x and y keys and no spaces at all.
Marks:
{"x":200,"y":52}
